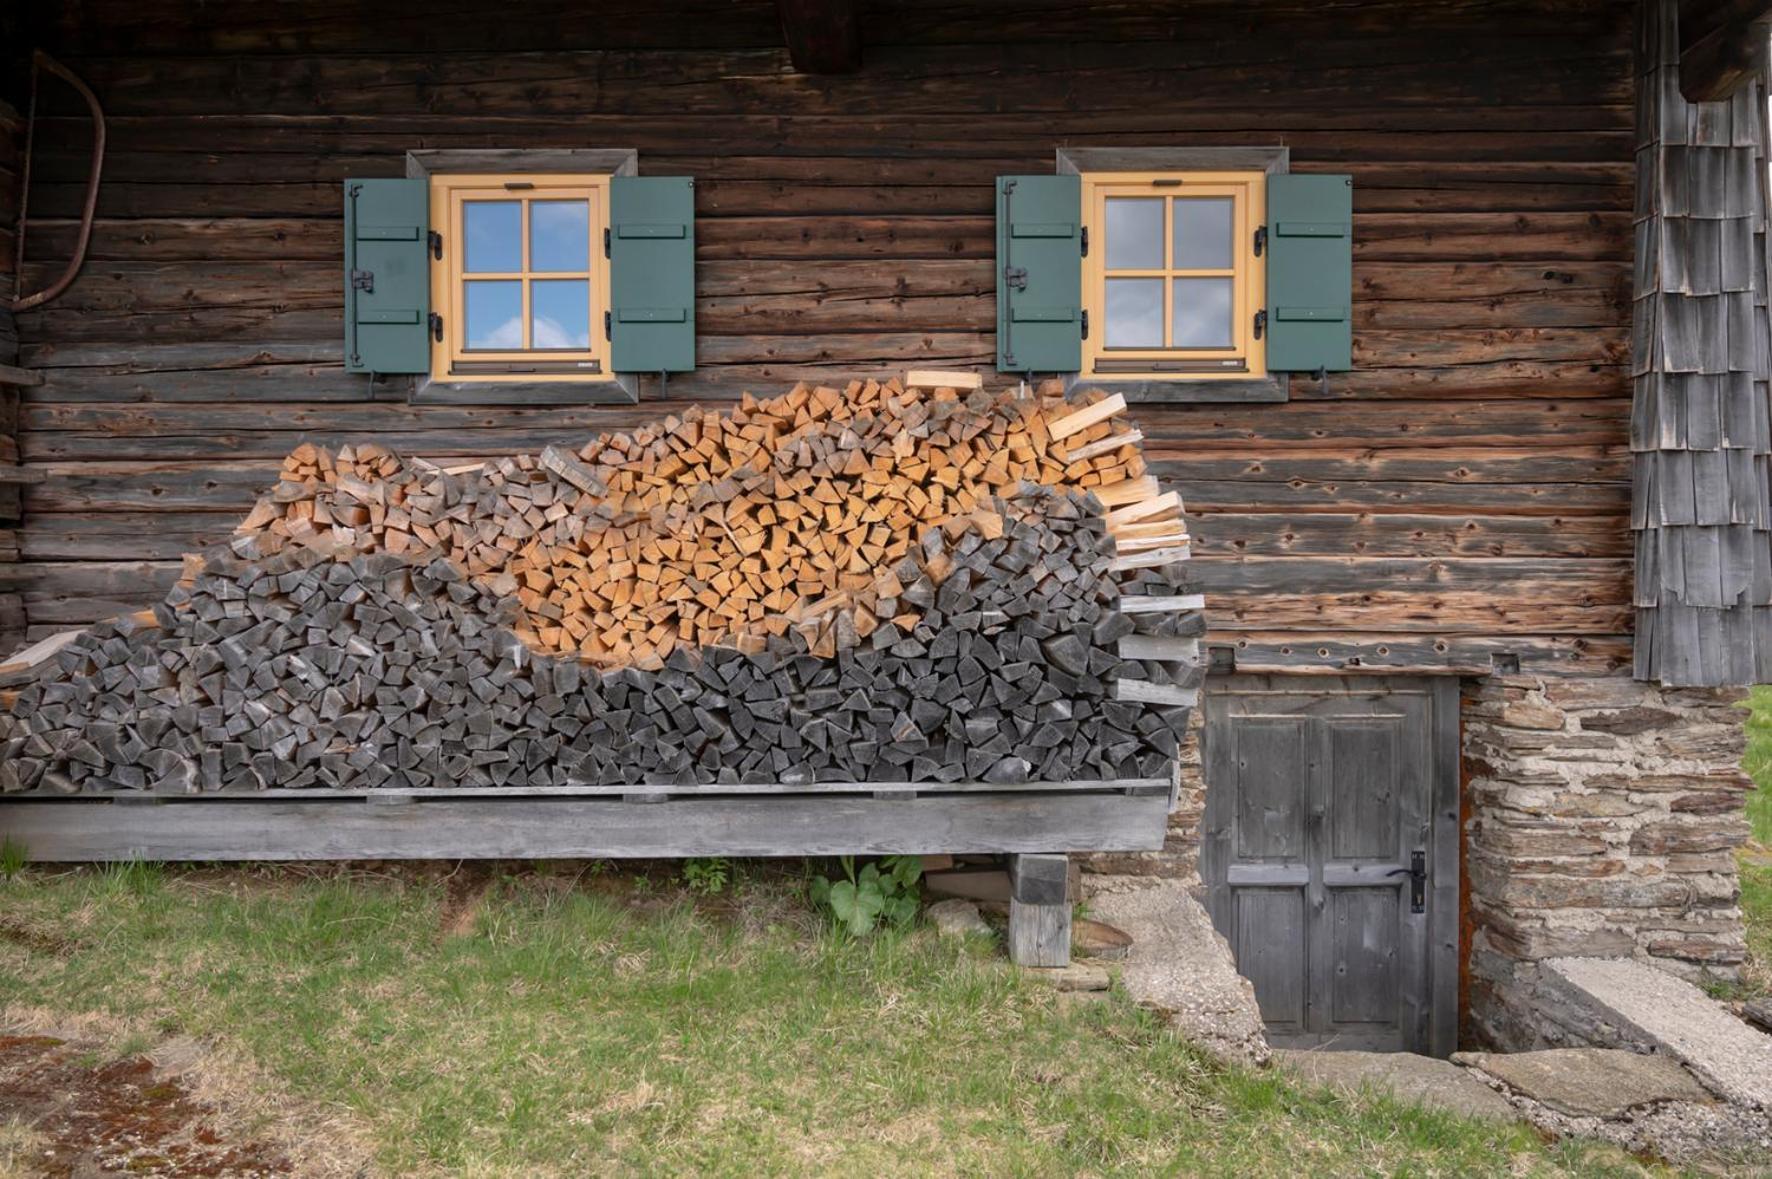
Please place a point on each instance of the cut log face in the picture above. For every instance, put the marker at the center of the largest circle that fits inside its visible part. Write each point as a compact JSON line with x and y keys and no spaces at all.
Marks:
{"x":885,"y":583}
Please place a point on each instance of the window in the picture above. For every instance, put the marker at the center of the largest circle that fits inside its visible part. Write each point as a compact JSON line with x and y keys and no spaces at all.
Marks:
{"x":521,"y":285}
{"x":520,"y":277}
{"x":1176,"y":273}
{"x":1170,"y":275}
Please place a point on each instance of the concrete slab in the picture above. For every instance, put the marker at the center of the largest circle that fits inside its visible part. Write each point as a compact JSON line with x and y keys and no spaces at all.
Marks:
{"x":1589,"y":1082}
{"x":1419,"y":1080}
{"x":1179,"y":965}
{"x":1652,"y":1006}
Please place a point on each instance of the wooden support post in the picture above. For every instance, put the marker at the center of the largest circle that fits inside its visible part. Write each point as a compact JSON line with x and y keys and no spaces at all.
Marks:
{"x":1039,"y":910}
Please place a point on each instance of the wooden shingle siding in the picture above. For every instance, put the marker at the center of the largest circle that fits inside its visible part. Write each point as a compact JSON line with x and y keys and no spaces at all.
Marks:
{"x":1464,"y":492}
{"x":1700,"y":434}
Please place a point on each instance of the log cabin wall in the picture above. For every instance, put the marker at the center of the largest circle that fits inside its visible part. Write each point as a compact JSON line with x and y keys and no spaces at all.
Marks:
{"x":12,"y":609}
{"x":1464,"y":492}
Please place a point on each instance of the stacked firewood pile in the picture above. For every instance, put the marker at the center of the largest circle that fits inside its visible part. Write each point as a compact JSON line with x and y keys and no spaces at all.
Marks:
{"x":379,"y":623}
{"x":722,"y":528}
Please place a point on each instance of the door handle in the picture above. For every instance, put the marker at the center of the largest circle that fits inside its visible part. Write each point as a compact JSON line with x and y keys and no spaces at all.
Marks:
{"x":1417,"y":874}
{"x":1418,"y":880}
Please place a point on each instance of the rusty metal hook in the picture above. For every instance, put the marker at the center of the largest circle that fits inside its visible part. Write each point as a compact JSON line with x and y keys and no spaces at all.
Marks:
{"x":41,"y":62}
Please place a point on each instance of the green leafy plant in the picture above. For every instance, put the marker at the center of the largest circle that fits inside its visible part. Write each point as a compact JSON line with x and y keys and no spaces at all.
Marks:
{"x":707,"y":875}
{"x":884,"y":890}
{"x":12,"y":857}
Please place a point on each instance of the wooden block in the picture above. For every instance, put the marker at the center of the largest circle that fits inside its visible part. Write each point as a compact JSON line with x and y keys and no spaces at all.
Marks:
{"x":929,"y":378}
{"x":1083,"y":418}
{"x":1039,"y":910}
{"x":1126,"y":491}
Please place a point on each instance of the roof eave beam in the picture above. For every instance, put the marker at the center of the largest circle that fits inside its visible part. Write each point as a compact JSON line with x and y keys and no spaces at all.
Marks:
{"x":823,"y":36}
{"x":1721,"y":42}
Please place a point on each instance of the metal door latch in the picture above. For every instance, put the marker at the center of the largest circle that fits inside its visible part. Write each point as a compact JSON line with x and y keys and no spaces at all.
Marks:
{"x":1417,"y":873}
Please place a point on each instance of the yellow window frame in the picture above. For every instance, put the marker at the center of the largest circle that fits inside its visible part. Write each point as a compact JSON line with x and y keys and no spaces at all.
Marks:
{"x":451,"y":359}
{"x":1246,"y":359}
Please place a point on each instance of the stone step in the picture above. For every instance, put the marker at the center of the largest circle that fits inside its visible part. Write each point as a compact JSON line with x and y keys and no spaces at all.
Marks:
{"x":1589,"y":1082}
{"x":1419,"y":1080}
{"x":1641,"y":1007}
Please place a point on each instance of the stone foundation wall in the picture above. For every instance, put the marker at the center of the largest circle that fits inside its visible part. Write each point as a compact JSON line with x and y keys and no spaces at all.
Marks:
{"x":1179,"y":858}
{"x":1603,"y":819}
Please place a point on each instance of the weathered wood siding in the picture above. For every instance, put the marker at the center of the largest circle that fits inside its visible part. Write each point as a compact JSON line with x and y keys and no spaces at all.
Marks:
{"x":1464,"y":491}
{"x":12,"y":608}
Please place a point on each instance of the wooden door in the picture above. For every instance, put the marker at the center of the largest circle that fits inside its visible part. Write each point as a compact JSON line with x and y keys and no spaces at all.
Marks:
{"x":1330,"y":855}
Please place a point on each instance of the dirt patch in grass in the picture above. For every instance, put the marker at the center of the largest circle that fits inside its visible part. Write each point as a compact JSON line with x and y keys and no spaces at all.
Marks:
{"x":87,"y":1096}
{"x":121,"y":1116}
{"x":38,"y":941}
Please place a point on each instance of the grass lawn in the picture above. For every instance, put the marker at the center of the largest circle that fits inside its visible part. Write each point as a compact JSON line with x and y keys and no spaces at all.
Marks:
{"x":1756,"y":858}
{"x":561,"y":1021}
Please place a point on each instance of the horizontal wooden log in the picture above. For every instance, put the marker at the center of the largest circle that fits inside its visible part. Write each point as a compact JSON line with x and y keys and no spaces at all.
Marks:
{"x":1430,"y":236}
{"x":343,"y":26}
{"x":326,"y":829}
{"x":1404,"y":68}
{"x":1550,"y":187}
{"x":1336,"y":653}
{"x":120,"y":536}
{"x":1450,"y":595}
{"x":1380,"y":534}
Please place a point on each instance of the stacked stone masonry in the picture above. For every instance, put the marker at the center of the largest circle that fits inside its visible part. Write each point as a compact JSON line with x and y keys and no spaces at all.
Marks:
{"x":1604,"y":817}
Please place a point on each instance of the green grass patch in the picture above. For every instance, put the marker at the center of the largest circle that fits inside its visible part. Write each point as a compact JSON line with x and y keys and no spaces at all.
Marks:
{"x":559,"y":1022}
{"x":1756,"y":857}
{"x":1758,"y":763}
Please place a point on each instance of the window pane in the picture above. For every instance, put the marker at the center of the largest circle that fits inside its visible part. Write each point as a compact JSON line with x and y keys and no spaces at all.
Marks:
{"x":1203,"y":233}
{"x":559,"y":235}
{"x":1202,"y":313}
{"x":1134,"y":313}
{"x":1134,"y":233}
{"x":560,"y":314}
{"x":494,"y":233}
{"x":494,"y":315}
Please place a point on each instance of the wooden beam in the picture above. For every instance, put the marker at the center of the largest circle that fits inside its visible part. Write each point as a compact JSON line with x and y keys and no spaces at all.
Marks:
{"x":183,"y":828}
{"x":823,"y":36}
{"x":1721,"y":42}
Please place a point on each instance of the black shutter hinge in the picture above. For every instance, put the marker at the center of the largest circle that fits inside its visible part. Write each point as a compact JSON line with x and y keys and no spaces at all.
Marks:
{"x":363,"y":280}
{"x":435,"y":241}
{"x":608,"y":326}
{"x":606,"y":243}
{"x":1260,"y":323}
{"x":1260,"y":239}
{"x":1015,"y":277}
{"x":1085,"y":323}
{"x":436,"y":324}
{"x":1084,"y":234}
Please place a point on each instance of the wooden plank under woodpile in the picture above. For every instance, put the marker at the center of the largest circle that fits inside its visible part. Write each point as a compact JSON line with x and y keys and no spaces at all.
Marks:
{"x":888,"y":583}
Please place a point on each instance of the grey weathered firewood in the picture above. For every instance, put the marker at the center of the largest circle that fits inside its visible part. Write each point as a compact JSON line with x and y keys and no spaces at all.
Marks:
{"x":315,"y":669}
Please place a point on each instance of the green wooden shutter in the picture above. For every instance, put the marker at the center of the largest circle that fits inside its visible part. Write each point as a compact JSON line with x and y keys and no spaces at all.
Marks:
{"x":1039,"y":274}
{"x":387,"y":276}
{"x":652,"y":274}
{"x":1310,"y":273}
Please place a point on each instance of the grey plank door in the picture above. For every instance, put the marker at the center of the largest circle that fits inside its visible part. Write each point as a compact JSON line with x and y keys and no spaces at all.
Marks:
{"x":1320,"y":796}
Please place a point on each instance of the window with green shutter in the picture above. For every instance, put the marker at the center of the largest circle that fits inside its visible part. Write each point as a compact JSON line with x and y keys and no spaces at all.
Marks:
{"x":495,"y":284}
{"x":1175,"y":273}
